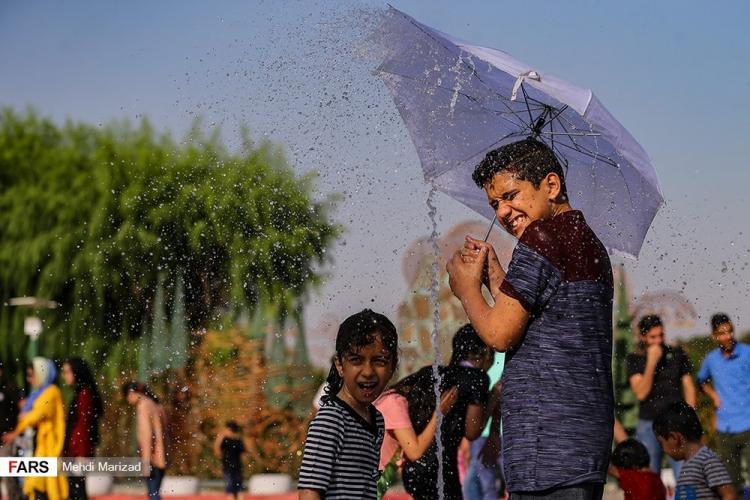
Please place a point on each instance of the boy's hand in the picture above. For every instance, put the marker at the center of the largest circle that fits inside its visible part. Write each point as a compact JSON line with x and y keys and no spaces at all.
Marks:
{"x":465,"y":270}
{"x":493,"y":273}
{"x":654,"y":352}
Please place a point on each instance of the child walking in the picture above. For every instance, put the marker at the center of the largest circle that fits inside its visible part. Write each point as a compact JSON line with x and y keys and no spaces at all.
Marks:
{"x":342,"y":449}
{"x":229,"y":447}
{"x":702,"y":475}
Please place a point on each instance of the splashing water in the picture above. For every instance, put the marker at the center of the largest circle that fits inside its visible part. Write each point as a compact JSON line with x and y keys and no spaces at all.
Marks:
{"x":435,"y":337}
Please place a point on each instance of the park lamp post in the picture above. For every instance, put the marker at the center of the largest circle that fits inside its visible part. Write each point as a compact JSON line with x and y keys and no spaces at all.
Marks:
{"x":32,"y":325}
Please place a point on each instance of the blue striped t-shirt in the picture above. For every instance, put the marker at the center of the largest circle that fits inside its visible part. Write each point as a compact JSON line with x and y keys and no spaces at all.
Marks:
{"x":558,"y":403}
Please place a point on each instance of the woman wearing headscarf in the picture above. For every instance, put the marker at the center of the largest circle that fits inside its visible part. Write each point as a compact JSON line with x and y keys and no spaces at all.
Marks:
{"x":82,"y":424}
{"x":43,"y":411}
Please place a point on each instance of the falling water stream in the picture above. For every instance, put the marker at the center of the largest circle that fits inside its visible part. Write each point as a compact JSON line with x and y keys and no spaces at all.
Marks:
{"x":435,"y":336}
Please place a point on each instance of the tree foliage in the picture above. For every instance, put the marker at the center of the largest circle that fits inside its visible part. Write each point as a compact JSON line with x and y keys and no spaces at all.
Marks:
{"x":92,"y":217}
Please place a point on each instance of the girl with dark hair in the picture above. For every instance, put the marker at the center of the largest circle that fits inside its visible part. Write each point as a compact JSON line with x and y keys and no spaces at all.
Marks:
{"x":467,"y":372}
{"x":151,"y":431}
{"x":342,"y":449}
{"x":82,"y":423}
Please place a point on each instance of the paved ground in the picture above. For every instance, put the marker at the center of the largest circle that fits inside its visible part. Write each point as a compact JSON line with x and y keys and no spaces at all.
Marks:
{"x":212,"y":491}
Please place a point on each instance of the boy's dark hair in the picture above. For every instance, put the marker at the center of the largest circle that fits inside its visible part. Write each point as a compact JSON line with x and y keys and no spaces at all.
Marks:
{"x":139,"y":388}
{"x":356,"y":332}
{"x":630,"y":454}
{"x":467,"y":345}
{"x":233,"y":426}
{"x":648,"y":322}
{"x":719,"y":319}
{"x":530,"y":160}
{"x":679,"y":417}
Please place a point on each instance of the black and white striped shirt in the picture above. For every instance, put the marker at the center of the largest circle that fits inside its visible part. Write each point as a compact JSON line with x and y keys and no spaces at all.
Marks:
{"x":342,"y":453}
{"x":700,"y":475}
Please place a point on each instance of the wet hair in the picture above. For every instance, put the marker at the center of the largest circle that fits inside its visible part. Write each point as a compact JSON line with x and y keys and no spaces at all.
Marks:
{"x":419,"y":388}
{"x":84,"y":379}
{"x":719,"y":319}
{"x":232,"y":426}
{"x":630,"y":454}
{"x":679,"y":417}
{"x":648,"y":322}
{"x":140,"y":389}
{"x":530,"y":160}
{"x":467,"y":345}
{"x":356,"y":332}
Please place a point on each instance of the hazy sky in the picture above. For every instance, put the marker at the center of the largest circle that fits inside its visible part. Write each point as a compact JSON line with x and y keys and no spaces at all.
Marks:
{"x":675,"y":73}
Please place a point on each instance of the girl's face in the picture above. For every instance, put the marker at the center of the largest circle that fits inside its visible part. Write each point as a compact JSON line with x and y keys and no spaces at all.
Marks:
{"x":68,"y":376}
{"x":365,"y":372}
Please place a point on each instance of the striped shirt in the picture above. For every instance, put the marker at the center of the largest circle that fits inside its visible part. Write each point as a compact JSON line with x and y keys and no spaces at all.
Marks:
{"x":558,"y":403}
{"x":342,"y":453}
{"x":699,"y":475}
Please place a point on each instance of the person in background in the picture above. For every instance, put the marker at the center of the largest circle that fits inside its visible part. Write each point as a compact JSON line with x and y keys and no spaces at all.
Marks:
{"x":400,"y":433}
{"x":43,"y":411}
{"x":151,"y":431}
{"x":9,"y":399}
{"x":229,"y":447}
{"x":82,"y":424}
{"x":725,"y":377}
{"x":466,"y":371}
{"x":702,"y":476}
{"x":630,"y":466}
{"x":484,"y":479}
{"x":659,"y":375}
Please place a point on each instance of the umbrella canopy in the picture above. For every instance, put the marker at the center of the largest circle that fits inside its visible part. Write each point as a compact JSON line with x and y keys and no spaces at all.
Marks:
{"x":460,"y":101}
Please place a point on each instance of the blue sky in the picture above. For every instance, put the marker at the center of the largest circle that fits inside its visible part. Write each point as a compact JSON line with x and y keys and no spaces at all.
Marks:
{"x":675,"y":73}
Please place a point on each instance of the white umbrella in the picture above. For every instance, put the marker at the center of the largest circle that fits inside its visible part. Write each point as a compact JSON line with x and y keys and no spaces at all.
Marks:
{"x":460,"y":101}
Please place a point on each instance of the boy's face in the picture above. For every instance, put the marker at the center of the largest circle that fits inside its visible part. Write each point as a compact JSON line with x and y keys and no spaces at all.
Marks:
{"x":518,"y":203}
{"x":724,"y":336}
{"x":654,"y":336}
{"x":132,"y":398}
{"x":674,"y":445}
{"x":366,"y":372}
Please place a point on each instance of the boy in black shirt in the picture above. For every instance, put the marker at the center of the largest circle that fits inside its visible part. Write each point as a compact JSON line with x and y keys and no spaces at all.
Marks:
{"x":229,"y":447}
{"x":659,"y":376}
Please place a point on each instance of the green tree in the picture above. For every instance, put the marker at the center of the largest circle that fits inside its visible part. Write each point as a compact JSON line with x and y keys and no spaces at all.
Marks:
{"x":92,"y":216}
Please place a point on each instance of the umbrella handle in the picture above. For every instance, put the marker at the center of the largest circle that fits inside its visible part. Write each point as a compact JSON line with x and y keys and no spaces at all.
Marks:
{"x":494,"y":219}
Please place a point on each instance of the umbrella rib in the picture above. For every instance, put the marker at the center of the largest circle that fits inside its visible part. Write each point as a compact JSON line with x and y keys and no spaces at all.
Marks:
{"x":580,"y":149}
{"x":570,"y":134}
{"x":594,"y":156}
{"x":603,"y":159}
{"x":559,"y":112}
